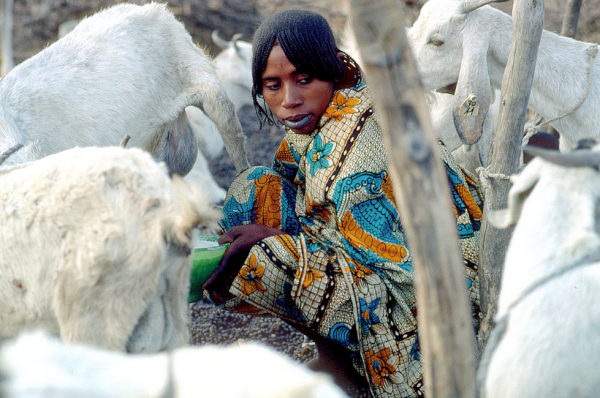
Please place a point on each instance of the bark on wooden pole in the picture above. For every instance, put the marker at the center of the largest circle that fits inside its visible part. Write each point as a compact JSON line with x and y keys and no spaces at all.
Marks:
{"x":568,"y":29}
{"x":6,"y":36}
{"x":571,"y":17}
{"x":422,"y":191}
{"x":528,"y":20}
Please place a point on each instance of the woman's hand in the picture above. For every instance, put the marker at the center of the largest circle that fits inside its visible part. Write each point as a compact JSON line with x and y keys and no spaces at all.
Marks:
{"x":242,"y":238}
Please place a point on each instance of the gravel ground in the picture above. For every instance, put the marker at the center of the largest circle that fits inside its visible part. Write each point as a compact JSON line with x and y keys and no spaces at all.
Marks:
{"x":211,"y":325}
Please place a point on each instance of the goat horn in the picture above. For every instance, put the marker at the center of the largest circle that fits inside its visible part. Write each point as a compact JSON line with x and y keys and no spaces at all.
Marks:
{"x":471,"y":5}
{"x":234,"y":41}
{"x":124,"y":141}
{"x":218,"y":40}
{"x":6,"y":154}
{"x":580,"y":158}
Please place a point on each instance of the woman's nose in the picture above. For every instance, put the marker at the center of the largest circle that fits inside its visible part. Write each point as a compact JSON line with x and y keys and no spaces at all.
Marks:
{"x":291,"y":97}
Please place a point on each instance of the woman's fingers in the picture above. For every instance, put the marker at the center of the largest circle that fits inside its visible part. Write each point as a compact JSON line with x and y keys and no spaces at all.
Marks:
{"x":230,"y":235}
{"x":226,"y":270}
{"x":250,"y":233}
{"x":242,"y":238}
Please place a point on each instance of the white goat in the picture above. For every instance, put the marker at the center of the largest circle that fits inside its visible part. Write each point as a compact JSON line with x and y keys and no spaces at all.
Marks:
{"x":7,"y":61}
{"x":547,"y":335}
{"x":470,"y":157}
{"x":234,"y":68}
{"x":96,"y":248}
{"x":210,"y":143}
{"x":126,"y":70}
{"x":34,"y":366}
{"x":468,"y":43}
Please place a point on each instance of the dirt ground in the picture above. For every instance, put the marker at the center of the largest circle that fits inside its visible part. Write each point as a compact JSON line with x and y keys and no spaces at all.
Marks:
{"x":36,"y":26}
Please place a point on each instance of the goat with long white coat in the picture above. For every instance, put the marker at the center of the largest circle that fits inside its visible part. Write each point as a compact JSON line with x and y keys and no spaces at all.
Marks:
{"x":96,"y":248}
{"x":33,"y":365}
{"x":128,"y":69}
{"x":547,"y":335}
{"x":232,"y":66}
{"x":468,"y":43}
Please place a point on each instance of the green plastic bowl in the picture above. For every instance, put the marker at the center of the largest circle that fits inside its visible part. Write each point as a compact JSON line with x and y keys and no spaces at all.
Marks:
{"x":204,"y":261}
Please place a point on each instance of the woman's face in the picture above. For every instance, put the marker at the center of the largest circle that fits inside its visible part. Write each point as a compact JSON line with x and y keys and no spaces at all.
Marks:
{"x":295,"y":98}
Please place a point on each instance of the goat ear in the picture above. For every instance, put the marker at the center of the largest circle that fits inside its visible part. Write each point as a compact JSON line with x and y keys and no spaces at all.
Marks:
{"x":473,"y":92}
{"x":176,"y":145}
{"x":471,"y":5}
{"x":521,"y":188}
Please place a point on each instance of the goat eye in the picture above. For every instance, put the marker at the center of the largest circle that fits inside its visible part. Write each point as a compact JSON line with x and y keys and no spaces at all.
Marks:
{"x":436,"y":42}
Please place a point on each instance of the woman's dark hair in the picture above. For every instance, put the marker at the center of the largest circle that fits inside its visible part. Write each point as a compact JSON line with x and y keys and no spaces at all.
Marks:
{"x":307,"y":41}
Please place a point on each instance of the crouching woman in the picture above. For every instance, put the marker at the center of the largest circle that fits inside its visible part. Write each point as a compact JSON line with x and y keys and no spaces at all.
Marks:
{"x":316,"y":239}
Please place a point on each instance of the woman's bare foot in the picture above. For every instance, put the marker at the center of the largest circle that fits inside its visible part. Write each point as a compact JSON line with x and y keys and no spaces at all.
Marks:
{"x":332,"y":359}
{"x":336,"y":362}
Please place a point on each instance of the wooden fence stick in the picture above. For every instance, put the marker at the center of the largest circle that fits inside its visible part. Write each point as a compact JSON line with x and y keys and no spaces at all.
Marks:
{"x":7,"y":61}
{"x":571,"y":17}
{"x":528,"y":20}
{"x":424,"y":202}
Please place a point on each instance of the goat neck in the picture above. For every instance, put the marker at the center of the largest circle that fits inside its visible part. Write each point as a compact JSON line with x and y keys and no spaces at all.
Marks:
{"x":560,"y":79}
{"x":557,"y":228}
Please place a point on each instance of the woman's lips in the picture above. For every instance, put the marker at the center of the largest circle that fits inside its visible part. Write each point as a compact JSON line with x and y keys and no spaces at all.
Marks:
{"x":297,"y":124}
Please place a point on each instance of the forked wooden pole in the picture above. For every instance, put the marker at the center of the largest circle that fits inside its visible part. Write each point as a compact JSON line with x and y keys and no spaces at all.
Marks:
{"x":528,"y":20}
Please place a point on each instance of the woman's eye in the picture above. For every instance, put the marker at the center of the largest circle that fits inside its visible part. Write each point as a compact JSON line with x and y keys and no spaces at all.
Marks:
{"x":272,"y":87}
{"x":306,"y":80}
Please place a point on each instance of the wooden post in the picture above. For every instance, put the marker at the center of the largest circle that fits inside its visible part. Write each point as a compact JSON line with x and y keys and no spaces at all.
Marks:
{"x":528,"y":20}
{"x":568,"y":29}
{"x":569,"y":23}
{"x":424,"y":202}
{"x":6,"y":36}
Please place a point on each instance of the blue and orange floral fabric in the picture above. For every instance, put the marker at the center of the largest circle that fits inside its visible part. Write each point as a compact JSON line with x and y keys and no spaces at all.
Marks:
{"x":345,"y":268}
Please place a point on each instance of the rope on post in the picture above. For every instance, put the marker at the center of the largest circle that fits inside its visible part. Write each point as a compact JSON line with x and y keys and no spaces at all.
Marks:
{"x":485,"y":176}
